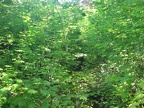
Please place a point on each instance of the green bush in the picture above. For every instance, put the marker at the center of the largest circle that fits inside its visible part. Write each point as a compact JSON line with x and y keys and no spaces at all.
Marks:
{"x":52,"y":56}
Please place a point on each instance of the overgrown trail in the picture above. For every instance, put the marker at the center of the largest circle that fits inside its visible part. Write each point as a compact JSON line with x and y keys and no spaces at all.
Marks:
{"x":87,"y":54}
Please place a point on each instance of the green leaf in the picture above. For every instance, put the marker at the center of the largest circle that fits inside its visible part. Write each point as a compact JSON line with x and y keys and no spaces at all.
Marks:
{"x":19,"y":81}
{"x":31,"y":105}
{"x":32,"y":91}
{"x":45,"y":92}
{"x":83,"y":97}
{"x":15,"y":86}
{"x":5,"y":89}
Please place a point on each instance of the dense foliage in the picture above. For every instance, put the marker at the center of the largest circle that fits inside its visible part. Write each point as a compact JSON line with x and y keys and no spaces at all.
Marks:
{"x":68,"y":55}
